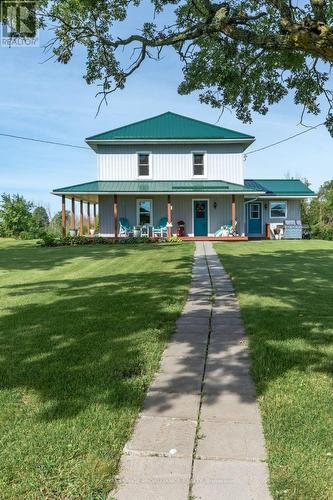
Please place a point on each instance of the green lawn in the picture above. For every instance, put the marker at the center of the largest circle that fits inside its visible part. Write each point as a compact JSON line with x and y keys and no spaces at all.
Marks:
{"x":81,"y":333}
{"x":286,"y":295}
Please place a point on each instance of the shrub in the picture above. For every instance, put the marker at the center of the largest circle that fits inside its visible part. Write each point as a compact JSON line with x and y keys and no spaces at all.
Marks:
{"x":28,"y":235}
{"x":327,"y":232}
{"x":51,"y":240}
{"x":322,"y":231}
{"x":48,"y":240}
{"x":174,"y":239}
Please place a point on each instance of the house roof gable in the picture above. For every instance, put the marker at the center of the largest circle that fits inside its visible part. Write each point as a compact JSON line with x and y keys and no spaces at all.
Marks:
{"x":170,"y":126}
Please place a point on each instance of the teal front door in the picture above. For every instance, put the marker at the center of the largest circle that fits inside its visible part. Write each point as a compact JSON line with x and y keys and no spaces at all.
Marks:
{"x":200,"y":210}
{"x":254,"y":219}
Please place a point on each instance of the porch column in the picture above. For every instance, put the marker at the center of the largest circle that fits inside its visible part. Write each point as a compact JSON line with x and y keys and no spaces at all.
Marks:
{"x":115,"y":215}
{"x":73,"y":214}
{"x":268,"y":231}
{"x":63,"y":216}
{"x":169,"y":229}
{"x":95,"y":218}
{"x":88,"y":218}
{"x":233,"y":212}
{"x":81,"y":217}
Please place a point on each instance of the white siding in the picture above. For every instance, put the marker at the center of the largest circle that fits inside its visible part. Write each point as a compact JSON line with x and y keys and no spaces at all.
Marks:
{"x":181,"y":210}
{"x":171,"y":161}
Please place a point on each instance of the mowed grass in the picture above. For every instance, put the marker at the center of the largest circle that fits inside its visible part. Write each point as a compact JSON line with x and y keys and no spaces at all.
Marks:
{"x":81,"y":334}
{"x":286,"y":296}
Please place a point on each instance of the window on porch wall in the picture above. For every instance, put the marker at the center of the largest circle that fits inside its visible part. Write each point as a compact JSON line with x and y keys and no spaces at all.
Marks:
{"x":144,"y":212}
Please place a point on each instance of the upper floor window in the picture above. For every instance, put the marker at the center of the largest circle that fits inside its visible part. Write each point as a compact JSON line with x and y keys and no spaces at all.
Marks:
{"x":143,"y":165}
{"x":198,"y":164}
{"x":278,"y":209}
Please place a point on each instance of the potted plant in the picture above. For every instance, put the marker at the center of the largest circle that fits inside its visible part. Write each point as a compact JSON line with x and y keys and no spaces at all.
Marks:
{"x":92,"y":231}
{"x":72,"y":232}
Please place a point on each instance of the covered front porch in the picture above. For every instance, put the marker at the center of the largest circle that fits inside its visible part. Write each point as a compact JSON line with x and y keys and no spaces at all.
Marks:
{"x":205,"y":210}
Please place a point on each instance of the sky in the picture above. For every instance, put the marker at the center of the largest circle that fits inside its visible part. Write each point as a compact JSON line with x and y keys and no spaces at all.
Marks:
{"x":51,"y":101}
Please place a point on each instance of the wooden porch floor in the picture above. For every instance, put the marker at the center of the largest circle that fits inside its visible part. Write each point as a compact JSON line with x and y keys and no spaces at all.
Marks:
{"x":214,"y":238}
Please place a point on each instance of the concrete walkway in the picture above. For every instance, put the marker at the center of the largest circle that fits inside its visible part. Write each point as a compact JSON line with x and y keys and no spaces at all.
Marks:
{"x":199,"y":434}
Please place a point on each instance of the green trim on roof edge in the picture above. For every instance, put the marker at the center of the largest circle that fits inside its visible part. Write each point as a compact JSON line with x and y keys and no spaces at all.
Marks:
{"x":169,"y":125}
{"x":155,"y":187}
{"x":264,"y":187}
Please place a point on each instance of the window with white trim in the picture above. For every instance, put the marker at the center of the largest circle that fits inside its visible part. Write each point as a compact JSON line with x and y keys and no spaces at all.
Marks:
{"x":143,"y":164}
{"x":198,"y":164}
{"x":278,"y":209}
{"x":144,"y":212}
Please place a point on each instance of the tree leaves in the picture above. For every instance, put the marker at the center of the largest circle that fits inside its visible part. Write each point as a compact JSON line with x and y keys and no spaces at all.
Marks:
{"x":246,"y":55}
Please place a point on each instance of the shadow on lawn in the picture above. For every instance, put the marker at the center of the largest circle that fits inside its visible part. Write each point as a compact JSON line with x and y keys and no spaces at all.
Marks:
{"x":89,"y":345}
{"x":289,"y":318}
{"x":44,"y":259}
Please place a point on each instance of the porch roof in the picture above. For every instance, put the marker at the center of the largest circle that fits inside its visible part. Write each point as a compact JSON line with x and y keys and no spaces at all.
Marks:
{"x":157,"y":187}
{"x":280,"y":187}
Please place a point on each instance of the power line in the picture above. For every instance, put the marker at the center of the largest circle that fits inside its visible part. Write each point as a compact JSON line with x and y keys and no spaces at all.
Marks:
{"x":67,"y":145}
{"x":284,"y":140}
{"x":44,"y":141}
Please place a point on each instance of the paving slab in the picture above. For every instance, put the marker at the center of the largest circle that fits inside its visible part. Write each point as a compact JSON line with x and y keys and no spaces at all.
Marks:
{"x":145,"y":478}
{"x":181,"y":383}
{"x":196,"y":310}
{"x":233,"y":352}
{"x":217,"y":383}
{"x":230,"y":406}
{"x":171,"y":404}
{"x":220,"y":365}
{"x":187,"y":348}
{"x":162,"y":436}
{"x":230,"y":441}
{"x":187,"y":320}
{"x":192,"y":366}
{"x":229,"y":480}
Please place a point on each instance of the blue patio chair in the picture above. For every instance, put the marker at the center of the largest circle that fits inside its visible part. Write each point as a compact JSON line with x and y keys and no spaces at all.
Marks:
{"x":162,"y":229}
{"x":124,"y":227}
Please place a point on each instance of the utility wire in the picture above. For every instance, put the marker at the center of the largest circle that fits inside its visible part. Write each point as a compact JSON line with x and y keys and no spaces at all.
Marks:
{"x":44,"y":141}
{"x":284,"y":140}
{"x":85,"y":147}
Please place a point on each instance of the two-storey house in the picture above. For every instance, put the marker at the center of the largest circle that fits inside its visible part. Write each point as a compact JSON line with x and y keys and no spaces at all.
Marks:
{"x":179,"y":169}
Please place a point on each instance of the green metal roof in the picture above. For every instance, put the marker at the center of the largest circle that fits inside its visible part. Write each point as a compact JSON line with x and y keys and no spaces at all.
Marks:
{"x":169,"y":126}
{"x":155,"y":187}
{"x":279,"y":187}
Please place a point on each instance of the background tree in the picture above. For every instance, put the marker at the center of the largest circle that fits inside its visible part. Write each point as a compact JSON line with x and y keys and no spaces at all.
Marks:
{"x":318,"y":214}
{"x":40,"y":217}
{"x":56,"y":223}
{"x":39,"y":221}
{"x":246,"y":55}
{"x":15,"y":214}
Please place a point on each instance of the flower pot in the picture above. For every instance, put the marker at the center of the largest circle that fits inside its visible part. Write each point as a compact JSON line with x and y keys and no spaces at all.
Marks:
{"x":72,"y":232}
{"x":92,"y":232}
